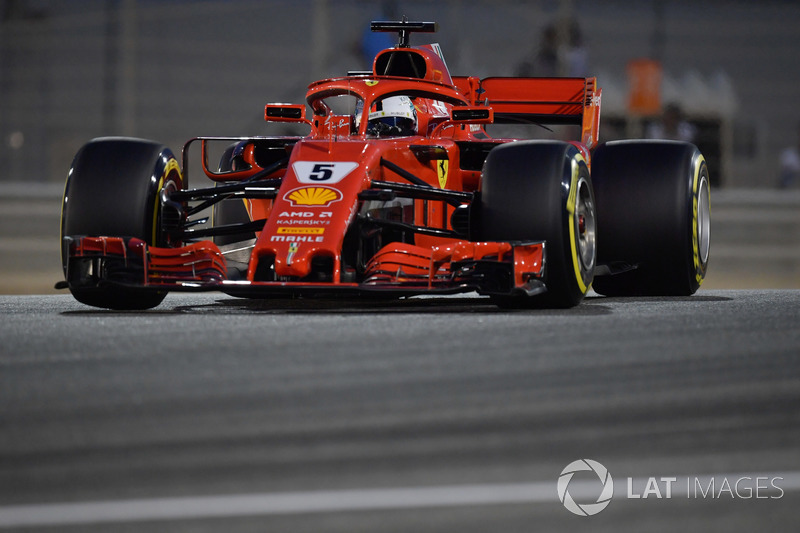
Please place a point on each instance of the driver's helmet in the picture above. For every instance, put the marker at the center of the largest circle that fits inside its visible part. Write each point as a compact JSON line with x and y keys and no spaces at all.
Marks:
{"x":393,"y":116}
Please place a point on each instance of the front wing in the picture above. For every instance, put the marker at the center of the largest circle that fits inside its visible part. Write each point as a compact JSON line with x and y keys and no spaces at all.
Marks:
{"x":398,"y":269}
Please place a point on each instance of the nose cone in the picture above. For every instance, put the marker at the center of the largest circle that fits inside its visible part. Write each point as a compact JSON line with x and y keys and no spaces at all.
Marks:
{"x":314,"y":207}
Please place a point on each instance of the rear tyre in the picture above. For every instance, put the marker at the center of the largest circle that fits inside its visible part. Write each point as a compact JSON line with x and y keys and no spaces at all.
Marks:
{"x":653,"y":210}
{"x":541,"y":190}
{"x":232,"y":210}
{"x":113,"y":190}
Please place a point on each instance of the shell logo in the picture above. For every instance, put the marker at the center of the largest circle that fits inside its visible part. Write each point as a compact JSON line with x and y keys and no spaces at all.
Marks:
{"x":313,"y":196}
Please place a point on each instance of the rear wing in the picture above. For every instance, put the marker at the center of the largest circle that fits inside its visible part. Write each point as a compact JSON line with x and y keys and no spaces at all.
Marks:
{"x":538,"y":101}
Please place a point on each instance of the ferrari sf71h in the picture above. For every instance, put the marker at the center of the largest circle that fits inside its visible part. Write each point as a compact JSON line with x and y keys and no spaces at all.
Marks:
{"x":397,"y":189}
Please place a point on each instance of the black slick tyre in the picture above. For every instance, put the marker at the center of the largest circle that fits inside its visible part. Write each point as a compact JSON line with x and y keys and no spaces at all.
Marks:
{"x":231,"y":210}
{"x":542,"y":191}
{"x":113,"y":190}
{"x":653,"y":211}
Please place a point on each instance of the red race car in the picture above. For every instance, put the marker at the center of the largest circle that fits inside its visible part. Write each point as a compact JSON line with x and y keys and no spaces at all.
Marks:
{"x":397,"y":190}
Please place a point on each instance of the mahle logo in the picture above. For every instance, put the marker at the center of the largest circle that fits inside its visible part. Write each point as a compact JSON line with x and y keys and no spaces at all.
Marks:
{"x":606,"y":492}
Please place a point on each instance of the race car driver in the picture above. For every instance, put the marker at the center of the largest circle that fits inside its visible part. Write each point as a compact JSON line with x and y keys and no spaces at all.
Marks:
{"x":391,"y":117}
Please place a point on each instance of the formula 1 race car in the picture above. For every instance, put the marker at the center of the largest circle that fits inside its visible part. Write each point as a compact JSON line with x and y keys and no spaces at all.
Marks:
{"x":397,"y":190}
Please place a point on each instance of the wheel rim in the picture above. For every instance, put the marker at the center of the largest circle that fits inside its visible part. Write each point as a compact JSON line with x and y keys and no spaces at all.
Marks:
{"x":703,"y":221}
{"x":586,"y":224}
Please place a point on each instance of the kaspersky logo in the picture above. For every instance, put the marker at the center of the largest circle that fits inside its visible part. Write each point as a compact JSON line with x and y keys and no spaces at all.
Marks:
{"x":605,"y":489}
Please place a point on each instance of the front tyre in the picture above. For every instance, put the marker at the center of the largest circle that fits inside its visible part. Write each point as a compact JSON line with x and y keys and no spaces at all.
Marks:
{"x":113,"y":190}
{"x":542,"y":191}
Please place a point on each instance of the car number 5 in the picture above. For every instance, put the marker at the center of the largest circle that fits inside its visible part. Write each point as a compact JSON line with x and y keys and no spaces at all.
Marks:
{"x":326,"y":172}
{"x":321,"y":172}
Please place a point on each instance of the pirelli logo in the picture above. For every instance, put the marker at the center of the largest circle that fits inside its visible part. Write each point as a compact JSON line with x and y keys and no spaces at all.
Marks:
{"x":292,"y":230}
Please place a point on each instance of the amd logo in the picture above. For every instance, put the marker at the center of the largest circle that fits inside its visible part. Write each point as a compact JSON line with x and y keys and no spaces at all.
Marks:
{"x":305,"y":214}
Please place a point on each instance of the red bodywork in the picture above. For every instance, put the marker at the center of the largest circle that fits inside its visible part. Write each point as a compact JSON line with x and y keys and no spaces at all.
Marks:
{"x":313,"y":215}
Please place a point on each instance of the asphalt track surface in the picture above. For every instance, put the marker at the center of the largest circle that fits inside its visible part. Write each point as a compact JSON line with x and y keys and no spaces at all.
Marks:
{"x":212,"y":413}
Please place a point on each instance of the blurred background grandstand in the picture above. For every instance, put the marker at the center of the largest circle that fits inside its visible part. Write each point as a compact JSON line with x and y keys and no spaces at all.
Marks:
{"x":173,"y":69}
{"x":170,"y":70}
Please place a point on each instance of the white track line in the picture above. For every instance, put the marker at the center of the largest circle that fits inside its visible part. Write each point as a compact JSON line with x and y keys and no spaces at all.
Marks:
{"x":272,"y":504}
{"x":264,"y":504}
